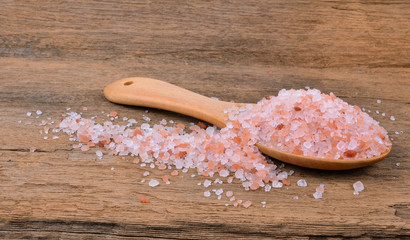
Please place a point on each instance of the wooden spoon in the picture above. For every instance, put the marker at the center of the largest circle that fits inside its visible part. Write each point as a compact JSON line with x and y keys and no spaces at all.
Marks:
{"x":153,"y":93}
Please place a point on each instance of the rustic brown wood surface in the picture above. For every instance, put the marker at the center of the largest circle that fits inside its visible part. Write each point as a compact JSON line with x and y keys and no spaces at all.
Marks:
{"x":59,"y":54}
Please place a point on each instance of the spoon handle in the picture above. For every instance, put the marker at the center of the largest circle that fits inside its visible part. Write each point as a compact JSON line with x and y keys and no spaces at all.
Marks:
{"x":154,"y":93}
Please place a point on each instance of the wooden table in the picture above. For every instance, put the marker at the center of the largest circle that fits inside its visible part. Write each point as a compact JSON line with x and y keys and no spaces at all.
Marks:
{"x":60,"y":54}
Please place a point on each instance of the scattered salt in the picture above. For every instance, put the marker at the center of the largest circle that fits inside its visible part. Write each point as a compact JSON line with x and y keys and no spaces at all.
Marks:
{"x":99,"y":153}
{"x":146,"y":173}
{"x":392,"y":118}
{"x":28,"y":114}
{"x":379,"y":101}
{"x":358,"y":186}
{"x":39,"y":112}
{"x":317,"y":195}
{"x":207,"y":193}
{"x":397,"y":164}
{"x":207,"y":183}
{"x":153,"y":183}
{"x":247,"y":204}
{"x":301,"y":183}
{"x":277,"y":184}
{"x":112,"y":168}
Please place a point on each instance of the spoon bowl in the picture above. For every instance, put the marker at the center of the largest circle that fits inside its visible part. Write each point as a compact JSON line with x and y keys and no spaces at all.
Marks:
{"x":147,"y":92}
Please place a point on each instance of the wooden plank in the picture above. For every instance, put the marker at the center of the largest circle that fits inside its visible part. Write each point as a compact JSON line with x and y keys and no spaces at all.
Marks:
{"x":55,"y":55}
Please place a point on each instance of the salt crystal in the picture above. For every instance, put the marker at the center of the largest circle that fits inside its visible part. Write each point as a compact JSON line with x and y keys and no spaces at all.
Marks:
{"x":317,"y":195}
{"x":193,"y":175}
{"x":301,"y":183}
{"x":145,"y":126}
{"x":152,"y":165}
{"x":199,"y":184}
{"x":207,"y":193}
{"x":185,"y":170}
{"x":219,"y":197}
{"x":68,"y":109}
{"x":28,"y":114}
{"x":142,"y":180}
{"x":219,"y":191}
{"x":226,"y":204}
{"x":247,"y":204}
{"x":268,"y":188}
{"x":379,"y":101}
{"x":277,"y":184}
{"x":99,"y":153}
{"x":112,"y":168}
{"x":358,"y":186}
{"x":392,"y":118}
{"x":146,"y":173}
{"x":296,"y":197}
{"x":153,"y":183}
{"x":224,"y":173}
{"x":143,"y":164}
{"x":55,"y":137}
{"x":207,"y":183}
{"x":39,"y":112}
{"x":145,"y":118}
{"x":398,"y":164}
{"x":124,"y":118}
{"x":45,"y":137}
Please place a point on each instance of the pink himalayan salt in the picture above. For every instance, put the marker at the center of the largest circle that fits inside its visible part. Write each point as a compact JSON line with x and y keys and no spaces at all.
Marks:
{"x":301,"y":122}
{"x":312,"y":124}
{"x":208,"y":150}
{"x":247,"y":204}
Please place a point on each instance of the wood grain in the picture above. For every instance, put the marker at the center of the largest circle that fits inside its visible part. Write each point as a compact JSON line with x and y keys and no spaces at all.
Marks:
{"x":59,"y":54}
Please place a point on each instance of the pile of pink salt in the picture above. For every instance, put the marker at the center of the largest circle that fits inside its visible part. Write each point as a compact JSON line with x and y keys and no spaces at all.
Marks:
{"x":297,"y":121}
{"x":312,"y":124}
{"x":209,"y":150}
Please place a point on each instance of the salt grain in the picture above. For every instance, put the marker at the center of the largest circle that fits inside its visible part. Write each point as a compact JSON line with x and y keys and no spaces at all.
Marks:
{"x":277,"y":184}
{"x":207,"y":193}
{"x":358,"y":186}
{"x":28,"y":114}
{"x":146,"y":173}
{"x":379,"y":101}
{"x":398,"y":164}
{"x":247,"y":204}
{"x":317,"y":195}
{"x":153,"y":183}
{"x":392,"y":118}
{"x":39,"y":112}
{"x":207,"y":183}
{"x":302,"y":183}
{"x":99,"y":153}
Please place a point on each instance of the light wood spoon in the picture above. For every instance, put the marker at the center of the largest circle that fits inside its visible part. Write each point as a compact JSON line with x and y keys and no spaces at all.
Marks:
{"x":154,"y":93}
